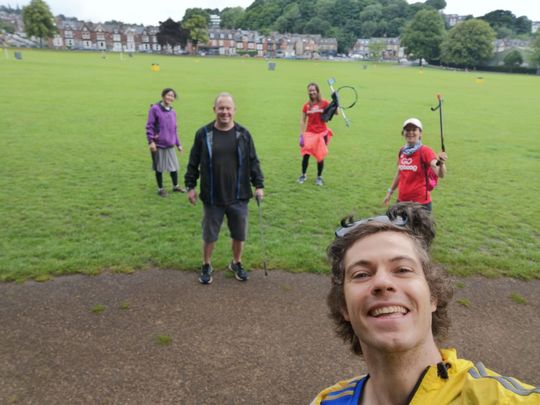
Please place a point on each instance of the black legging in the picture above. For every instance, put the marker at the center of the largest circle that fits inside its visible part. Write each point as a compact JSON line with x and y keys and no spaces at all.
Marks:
{"x":305,"y":162}
{"x":159,"y":178}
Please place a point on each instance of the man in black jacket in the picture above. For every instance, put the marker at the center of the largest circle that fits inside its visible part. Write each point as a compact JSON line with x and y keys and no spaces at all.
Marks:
{"x":223,"y":155}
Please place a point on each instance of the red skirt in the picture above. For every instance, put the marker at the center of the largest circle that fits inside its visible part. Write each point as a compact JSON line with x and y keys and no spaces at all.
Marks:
{"x":315,"y":145}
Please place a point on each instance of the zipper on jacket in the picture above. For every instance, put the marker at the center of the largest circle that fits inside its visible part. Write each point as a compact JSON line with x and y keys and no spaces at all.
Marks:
{"x":240,"y":164}
{"x":211,"y":173}
{"x":417,"y":385}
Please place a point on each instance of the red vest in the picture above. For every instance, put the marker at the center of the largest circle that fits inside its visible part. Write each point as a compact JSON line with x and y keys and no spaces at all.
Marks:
{"x":412,"y":175}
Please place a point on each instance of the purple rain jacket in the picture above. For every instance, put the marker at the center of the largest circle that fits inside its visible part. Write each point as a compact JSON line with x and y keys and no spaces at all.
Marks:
{"x":161,"y":127}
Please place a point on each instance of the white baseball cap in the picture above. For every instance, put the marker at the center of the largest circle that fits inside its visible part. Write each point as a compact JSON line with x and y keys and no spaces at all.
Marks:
{"x":415,"y":121}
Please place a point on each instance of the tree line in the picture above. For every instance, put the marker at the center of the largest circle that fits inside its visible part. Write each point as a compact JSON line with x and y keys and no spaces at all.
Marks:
{"x":348,"y":20}
{"x":420,"y":26}
{"x":467,"y":44}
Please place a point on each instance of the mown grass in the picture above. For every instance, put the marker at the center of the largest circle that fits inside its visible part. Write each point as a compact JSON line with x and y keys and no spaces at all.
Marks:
{"x":78,"y":194}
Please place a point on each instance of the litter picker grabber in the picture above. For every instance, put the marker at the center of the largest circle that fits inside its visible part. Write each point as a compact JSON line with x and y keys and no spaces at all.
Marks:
{"x":262,"y":234}
{"x":439,"y":107}
{"x":343,"y":98}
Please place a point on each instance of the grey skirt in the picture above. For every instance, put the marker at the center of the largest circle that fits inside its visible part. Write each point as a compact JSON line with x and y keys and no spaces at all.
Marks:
{"x":165,"y":160}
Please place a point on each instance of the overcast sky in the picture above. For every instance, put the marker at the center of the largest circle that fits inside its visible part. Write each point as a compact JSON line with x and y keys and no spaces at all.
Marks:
{"x":151,"y":12}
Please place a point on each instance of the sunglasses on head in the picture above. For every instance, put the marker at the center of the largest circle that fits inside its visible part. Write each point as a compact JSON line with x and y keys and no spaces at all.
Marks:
{"x":348,"y":224}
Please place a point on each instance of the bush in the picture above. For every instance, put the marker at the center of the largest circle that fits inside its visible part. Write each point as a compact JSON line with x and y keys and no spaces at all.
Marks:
{"x":509,"y":69}
{"x":249,"y":53}
{"x":513,"y":59}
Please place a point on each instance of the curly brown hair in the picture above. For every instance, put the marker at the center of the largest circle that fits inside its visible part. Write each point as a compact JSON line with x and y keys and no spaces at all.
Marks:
{"x":421,"y":229}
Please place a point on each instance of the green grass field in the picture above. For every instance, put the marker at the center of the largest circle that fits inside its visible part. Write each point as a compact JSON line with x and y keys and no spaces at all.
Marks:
{"x":78,"y":194}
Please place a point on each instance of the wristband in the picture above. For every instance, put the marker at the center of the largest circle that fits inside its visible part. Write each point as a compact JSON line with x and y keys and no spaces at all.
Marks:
{"x":390,"y":190}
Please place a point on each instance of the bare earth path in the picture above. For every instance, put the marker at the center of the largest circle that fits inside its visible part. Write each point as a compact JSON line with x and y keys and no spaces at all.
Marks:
{"x":267,"y":341}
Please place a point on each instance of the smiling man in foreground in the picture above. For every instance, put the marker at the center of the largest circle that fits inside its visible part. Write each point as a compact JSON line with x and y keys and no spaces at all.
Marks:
{"x":389,"y":301}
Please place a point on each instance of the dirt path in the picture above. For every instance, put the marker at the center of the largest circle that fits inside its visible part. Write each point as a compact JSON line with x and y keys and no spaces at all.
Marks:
{"x":267,"y":341}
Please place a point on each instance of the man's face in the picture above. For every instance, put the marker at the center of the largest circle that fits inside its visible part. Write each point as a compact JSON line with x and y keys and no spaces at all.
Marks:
{"x":386,"y":294}
{"x":225,"y":111}
{"x":313,"y":93}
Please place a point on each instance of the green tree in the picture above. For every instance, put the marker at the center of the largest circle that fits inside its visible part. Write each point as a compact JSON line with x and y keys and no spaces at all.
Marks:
{"x":469,"y":44}
{"x":325,"y":11}
{"x":261,"y":14}
{"x":344,"y":38}
{"x":197,"y":29}
{"x":369,"y":19}
{"x":231,"y":17}
{"x":7,"y":27}
{"x":38,"y":21}
{"x":499,"y":18}
{"x":317,"y":26}
{"x":513,"y":59}
{"x":307,"y":10}
{"x":522,"y":25}
{"x":369,"y":28}
{"x":191,"y":12}
{"x":506,"y":24}
{"x":535,"y":57}
{"x":376,"y":48}
{"x":436,"y":4}
{"x":424,"y":35}
{"x":171,"y":33}
{"x":395,"y":14}
{"x":289,"y":18}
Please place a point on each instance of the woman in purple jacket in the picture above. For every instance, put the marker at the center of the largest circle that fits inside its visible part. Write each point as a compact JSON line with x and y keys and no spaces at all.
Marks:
{"x":162,"y":136}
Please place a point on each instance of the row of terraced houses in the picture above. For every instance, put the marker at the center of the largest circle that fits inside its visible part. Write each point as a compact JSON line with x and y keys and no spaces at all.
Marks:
{"x":80,"y":35}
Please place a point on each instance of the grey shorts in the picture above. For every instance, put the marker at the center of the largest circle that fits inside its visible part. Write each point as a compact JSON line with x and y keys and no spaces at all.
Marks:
{"x":236,"y":213}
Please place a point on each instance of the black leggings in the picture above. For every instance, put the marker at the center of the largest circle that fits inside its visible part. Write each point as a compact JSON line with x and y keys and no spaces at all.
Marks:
{"x":159,"y":179}
{"x":305,"y":162}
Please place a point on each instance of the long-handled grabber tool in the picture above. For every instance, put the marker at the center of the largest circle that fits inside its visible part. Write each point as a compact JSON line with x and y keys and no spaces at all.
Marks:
{"x":343,"y":98}
{"x":261,"y":228}
{"x":439,"y":107}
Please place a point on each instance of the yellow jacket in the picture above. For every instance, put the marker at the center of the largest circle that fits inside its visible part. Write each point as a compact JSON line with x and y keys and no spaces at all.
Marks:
{"x":454,"y":381}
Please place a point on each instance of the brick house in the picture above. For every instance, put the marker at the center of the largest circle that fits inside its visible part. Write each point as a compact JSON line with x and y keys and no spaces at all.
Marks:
{"x":392,"y":50}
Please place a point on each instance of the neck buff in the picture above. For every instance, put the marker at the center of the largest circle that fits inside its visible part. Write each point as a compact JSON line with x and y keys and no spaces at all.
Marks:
{"x":409,"y":150}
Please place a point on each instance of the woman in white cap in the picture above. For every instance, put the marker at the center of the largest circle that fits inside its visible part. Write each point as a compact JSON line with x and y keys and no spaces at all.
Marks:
{"x":418,"y":167}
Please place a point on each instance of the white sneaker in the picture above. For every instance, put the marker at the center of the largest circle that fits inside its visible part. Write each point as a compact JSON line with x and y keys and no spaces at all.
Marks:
{"x":302,"y":178}
{"x":319,"y":181}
